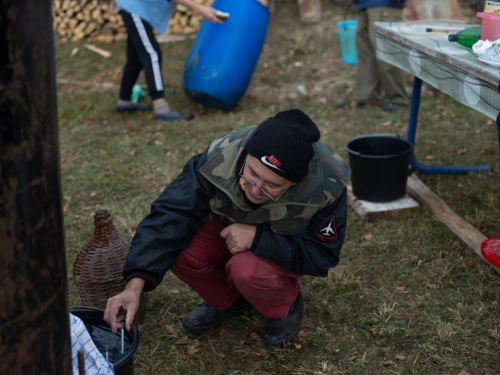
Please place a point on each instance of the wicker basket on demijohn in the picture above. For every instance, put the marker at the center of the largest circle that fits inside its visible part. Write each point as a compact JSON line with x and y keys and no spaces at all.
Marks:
{"x":97,"y":270}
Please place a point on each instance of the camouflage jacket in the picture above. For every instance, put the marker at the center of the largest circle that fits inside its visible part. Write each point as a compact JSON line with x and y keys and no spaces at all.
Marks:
{"x":302,"y":232}
{"x":292,"y":212}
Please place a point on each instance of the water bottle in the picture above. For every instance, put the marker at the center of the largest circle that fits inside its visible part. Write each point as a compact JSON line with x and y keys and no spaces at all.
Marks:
{"x":467,"y":37}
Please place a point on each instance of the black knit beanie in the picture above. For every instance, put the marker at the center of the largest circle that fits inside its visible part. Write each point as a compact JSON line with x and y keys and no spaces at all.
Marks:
{"x":284,"y":144}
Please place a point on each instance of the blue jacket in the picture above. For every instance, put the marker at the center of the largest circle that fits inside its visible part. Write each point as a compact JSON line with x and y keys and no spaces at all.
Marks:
{"x":363,"y":4}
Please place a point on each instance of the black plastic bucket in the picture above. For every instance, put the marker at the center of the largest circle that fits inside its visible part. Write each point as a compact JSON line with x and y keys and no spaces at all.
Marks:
{"x":103,"y":337}
{"x":379,"y":167}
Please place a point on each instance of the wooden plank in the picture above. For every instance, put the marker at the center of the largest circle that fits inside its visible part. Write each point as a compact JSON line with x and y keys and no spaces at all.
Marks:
{"x":372,"y":211}
{"x":310,"y":11}
{"x":467,"y":233}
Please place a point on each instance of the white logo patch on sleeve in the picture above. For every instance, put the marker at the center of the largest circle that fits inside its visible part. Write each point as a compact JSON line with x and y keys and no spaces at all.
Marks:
{"x":327,"y":232}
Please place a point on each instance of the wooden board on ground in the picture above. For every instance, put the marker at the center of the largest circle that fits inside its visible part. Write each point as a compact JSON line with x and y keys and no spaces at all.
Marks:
{"x":372,"y":211}
{"x":467,"y":233}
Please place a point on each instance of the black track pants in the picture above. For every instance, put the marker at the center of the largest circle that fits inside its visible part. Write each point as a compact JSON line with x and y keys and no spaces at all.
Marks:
{"x":143,"y":52}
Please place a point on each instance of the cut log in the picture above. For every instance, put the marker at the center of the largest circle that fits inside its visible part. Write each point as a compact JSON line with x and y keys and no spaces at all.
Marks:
{"x":465,"y":231}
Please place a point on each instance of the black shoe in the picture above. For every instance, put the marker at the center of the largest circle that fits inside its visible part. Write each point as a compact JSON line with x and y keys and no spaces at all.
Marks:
{"x":280,"y":331}
{"x":132,"y":107}
{"x":172,"y":116}
{"x":205,"y":318}
{"x":351,"y":104}
{"x":391,"y":107}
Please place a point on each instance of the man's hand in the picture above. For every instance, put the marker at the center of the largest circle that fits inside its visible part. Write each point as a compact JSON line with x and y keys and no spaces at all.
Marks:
{"x":239,"y":237}
{"x":124,"y":306}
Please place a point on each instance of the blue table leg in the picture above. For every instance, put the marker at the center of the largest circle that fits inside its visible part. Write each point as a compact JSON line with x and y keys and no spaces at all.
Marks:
{"x":412,"y":130}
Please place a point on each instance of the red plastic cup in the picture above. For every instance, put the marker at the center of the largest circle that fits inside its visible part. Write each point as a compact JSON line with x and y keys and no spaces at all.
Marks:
{"x":491,"y":251}
{"x":490,"y":26}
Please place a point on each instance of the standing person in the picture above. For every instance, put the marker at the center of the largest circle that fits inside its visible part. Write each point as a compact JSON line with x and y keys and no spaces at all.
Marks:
{"x":377,"y":82}
{"x":143,"y":51}
{"x":260,"y":207}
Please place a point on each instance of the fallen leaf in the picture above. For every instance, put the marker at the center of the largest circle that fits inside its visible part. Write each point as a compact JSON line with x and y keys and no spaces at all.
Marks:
{"x":254,"y":335}
{"x":221,"y":355}
{"x":463,"y":372}
{"x":66,"y":197}
{"x":297,"y":346}
{"x":93,"y":194}
{"x":132,"y":153}
{"x":367,"y":236}
{"x":462,"y":151}
{"x":400,"y":357}
{"x":191,"y":349}
{"x":170,"y":328}
{"x":303,"y":333}
{"x":431,"y":285}
{"x":182,"y":341}
{"x":429,"y":157}
{"x":196,"y":342}
{"x":389,"y":363}
{"x":420,"y":261}
{"x":352,"y":358}
{"x":297,"y":63}
{"x":400,"y":288}
{"x":494,"y":303}
{"x":372,"y":330}
{"x":158,"y":142}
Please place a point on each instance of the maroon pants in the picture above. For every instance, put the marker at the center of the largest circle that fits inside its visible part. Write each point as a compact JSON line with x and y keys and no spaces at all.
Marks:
{"x":219,"y":277}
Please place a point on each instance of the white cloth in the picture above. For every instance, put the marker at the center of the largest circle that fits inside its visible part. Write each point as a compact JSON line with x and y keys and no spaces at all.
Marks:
{"x":95,"y":363}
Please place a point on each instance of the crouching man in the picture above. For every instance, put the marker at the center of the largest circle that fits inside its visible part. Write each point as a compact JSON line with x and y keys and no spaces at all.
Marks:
{"x":260,"y":207}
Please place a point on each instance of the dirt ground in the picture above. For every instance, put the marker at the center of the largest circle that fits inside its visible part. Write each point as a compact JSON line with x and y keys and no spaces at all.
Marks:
{"x":302,"y":61}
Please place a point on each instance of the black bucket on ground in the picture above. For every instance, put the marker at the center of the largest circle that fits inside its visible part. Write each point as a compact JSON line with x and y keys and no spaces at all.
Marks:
{"x":379,"y":167}
{"x":104,"y":339}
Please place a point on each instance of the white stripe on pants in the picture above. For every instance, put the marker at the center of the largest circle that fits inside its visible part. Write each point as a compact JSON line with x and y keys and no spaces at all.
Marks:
{"x":155,"y":62}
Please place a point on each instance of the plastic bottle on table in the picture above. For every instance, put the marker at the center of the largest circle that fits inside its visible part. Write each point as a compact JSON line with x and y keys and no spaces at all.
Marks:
{"x":467,"y":37}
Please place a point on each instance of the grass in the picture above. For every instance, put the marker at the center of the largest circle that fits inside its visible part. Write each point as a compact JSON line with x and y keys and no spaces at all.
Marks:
{"x":408,"y":297}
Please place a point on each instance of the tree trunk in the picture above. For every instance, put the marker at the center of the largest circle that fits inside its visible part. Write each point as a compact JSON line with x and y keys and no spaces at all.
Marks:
{"x":34,"y":315}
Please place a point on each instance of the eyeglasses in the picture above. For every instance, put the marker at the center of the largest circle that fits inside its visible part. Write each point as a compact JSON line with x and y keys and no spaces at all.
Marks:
{"x":263,"y":191}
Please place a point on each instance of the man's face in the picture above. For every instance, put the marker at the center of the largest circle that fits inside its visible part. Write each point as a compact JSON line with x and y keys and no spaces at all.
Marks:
{"x":262,"y":178}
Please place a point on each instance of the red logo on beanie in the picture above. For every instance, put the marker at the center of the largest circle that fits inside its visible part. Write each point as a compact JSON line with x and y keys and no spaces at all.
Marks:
{"x":271,"y":161}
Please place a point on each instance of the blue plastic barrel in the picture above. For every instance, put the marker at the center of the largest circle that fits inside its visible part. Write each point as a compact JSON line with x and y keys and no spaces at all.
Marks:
{"x":223,"y":57}
{"x":347,"y":34}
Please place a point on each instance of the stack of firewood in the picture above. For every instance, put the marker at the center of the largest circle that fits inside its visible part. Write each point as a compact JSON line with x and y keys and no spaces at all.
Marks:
{"x":95,"y":21}
{"x":90,"y":20}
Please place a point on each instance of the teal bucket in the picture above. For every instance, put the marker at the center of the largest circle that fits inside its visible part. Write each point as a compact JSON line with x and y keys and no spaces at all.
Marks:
{"x":347,"y":33}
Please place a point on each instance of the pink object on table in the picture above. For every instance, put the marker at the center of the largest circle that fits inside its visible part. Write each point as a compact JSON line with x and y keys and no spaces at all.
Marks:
{"x":491,"y":250}
{"x":490,"y":28}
